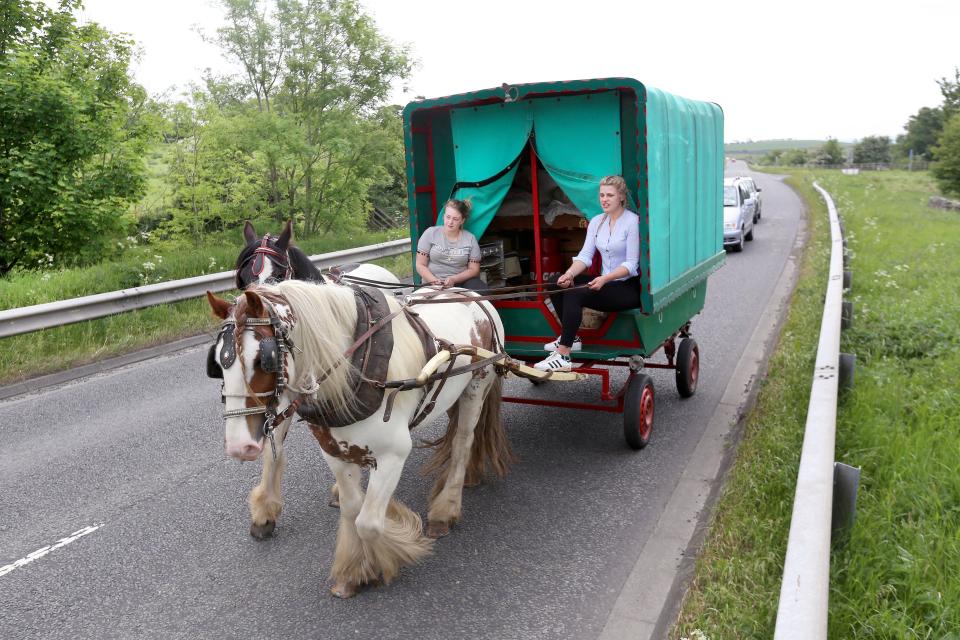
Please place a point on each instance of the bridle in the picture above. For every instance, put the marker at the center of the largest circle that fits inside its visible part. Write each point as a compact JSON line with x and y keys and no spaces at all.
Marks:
{"x":273,"y":351}
{"x":259,"y":255}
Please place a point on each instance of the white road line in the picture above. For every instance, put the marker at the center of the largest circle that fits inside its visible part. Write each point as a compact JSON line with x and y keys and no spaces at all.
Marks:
{"x":42,"y":551}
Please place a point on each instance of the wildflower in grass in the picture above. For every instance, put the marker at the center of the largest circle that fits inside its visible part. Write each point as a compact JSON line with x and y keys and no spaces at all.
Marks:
{"x":149,"y":266}
{"x":45,"y":277}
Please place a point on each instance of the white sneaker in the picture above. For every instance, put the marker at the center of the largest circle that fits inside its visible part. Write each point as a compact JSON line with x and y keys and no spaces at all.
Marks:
{"x":554,"y":362}
{"x":552,"y":346}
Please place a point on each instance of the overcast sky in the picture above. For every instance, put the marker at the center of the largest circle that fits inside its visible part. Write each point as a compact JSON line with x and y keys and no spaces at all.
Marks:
{"x":802,"y":70}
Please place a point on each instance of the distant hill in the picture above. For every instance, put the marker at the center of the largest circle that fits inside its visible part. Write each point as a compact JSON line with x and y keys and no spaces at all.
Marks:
{"x":761,"y":147}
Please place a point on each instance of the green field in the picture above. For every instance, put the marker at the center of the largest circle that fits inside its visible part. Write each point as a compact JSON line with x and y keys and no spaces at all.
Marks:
{"x":761,"y":147}
{"x":895,"y":575}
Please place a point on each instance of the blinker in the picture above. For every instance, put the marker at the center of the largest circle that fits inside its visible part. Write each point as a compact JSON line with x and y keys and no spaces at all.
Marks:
{"x":270,"y":358}
{"x":213,"y":368}
{"x":228,"y":352}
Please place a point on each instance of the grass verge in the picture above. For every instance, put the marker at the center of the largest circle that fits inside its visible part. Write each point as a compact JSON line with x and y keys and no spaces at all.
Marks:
{"x":59,"y":348}
{"x":894,"y":576}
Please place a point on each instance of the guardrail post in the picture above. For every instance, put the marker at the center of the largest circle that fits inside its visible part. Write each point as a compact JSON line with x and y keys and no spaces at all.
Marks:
{"x":848,"y":363}
{"x":846,"y":315}
{"x":847,"y":279}
{"x":846,"y":481}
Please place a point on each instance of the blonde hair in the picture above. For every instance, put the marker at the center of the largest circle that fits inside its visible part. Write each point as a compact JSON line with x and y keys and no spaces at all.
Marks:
{"x":618,"y":183}
{"x":462,"y":207}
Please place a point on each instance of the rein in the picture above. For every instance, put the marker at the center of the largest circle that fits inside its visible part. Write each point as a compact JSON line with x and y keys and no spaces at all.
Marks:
{"x":283,"y":346}
{"x":510,"y":293}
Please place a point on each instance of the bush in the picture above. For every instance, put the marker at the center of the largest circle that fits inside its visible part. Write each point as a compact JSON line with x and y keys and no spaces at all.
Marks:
{"x":946,"y":169}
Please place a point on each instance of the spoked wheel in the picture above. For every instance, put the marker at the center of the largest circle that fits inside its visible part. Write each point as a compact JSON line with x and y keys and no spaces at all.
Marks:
{"x":638,"y":411}
{"x":688,"y":367}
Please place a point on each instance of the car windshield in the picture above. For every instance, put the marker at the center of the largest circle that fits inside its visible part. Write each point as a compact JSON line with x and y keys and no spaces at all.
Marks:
{"x":729,"y":196}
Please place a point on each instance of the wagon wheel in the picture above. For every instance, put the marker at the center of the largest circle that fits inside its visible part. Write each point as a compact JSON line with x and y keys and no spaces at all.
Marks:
{"x":638,"y":411}
{"x":688,"y":367}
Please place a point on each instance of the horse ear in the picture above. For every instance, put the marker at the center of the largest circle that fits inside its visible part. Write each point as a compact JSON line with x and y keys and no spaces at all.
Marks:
{"x":286,"y":236}
{"x":254,"y":304}
{"x":248,"y":233}
{"x":221,"y":308}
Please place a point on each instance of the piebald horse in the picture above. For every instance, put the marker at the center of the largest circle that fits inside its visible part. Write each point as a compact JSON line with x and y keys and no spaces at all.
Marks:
{"x":275,"y":258}
{"x":290,"y":343}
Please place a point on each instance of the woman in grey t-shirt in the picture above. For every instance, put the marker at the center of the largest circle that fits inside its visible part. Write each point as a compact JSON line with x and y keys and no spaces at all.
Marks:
{"x":448,"y":254}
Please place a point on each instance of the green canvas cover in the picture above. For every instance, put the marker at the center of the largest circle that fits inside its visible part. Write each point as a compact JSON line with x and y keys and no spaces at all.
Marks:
{"x":669,"y":150}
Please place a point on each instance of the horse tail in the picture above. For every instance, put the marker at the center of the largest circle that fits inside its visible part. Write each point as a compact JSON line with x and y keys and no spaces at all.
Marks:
{"x":490,"y":450}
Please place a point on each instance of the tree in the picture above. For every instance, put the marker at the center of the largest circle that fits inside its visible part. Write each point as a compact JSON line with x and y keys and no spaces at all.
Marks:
{"x":217,"y":179}
{"x":319,"y":71}
{"x":794,"y":157}
{"x":73,"y":127}
{"x":830,"y":154}
{"x":872,"y":149}
{"x":951,"y":94}
{"x":771,"y":157}
{"x":922,"y":131}
{"x":946,"y":168}
{"x":389,"y":189}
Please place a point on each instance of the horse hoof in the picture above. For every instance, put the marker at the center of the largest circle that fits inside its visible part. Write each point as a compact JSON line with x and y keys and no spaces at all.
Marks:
{"x":335,"y":503}
{"x":262,"y":531}
{"x":437,"y":529}
{"x":343,"y":590}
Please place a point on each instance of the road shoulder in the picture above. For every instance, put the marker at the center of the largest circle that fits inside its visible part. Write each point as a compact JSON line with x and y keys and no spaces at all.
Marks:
{"x":651,"y":596}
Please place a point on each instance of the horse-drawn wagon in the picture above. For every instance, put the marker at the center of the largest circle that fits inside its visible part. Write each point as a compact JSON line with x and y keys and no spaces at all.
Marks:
{"x":364,"y":368}
{"x":530,"y":158}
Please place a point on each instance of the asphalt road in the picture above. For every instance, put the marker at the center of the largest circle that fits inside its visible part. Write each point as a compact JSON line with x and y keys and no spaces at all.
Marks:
{"x":132,"y":462}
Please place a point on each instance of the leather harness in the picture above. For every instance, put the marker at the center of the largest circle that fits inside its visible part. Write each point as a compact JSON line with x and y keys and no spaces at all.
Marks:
{"x":369,"y":355}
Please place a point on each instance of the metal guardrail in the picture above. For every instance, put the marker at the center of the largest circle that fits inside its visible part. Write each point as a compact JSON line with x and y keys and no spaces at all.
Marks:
{"x":804,"y":592}
{"x":53,"y":314}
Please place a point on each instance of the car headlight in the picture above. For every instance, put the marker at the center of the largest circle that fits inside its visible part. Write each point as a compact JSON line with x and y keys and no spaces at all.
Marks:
{"x":729,"y":225}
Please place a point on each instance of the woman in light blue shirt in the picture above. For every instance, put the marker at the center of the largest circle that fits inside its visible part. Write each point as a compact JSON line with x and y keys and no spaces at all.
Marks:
{"x":615,"y":235}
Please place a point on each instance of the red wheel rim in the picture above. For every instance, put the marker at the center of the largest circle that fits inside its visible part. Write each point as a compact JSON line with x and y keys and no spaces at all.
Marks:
{"x":645,"y":421}
{"x":694,"y":368}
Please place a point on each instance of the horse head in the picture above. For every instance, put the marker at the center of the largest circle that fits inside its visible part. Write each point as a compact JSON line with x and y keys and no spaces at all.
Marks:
{"x":272,"y":259}
{"x":252,"y":356}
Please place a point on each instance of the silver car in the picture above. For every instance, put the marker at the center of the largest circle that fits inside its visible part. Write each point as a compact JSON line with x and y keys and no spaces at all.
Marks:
{"x":754,"y":192}
{"x":739,"y":210}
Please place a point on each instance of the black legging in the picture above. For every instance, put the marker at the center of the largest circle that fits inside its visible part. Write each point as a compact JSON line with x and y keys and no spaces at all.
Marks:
{"x":477,"y":284}
{"x":617,"y":295}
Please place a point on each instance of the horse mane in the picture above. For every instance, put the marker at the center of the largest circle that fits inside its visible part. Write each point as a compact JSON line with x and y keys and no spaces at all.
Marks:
{"x":245,"y":255}
{"x":326,"y":318}
{"x":303,"y":268}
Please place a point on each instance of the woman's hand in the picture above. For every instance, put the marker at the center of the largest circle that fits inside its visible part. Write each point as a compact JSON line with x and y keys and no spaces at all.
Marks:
{"x":565,"y":281}
{"x":448,"y":282}
{"x":597,"y":283}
